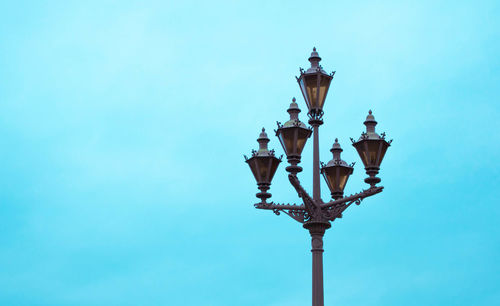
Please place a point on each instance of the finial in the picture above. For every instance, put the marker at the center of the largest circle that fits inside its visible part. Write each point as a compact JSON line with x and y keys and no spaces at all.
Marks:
{"x":370,"y":117}
{"x":294,"y":110}
{"x":263,"y":135}
{"x":336,"y":146}
{"x":370,"y":122}
{"x":263,"y":140}
{"x":336,"y":149}
{"x":314,"y":59}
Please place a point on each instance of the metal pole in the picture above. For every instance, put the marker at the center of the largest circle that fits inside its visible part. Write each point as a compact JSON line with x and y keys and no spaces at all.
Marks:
{"x":317,"y":230}
{"x":316,"y":181}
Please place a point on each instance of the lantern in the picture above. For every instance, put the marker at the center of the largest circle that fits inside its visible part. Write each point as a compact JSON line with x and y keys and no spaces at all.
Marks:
{"x":293,"y":135}
{"x":263,"y":164}
{"x":371,"y":148}
{"x":314,"y":84}
{"x":336,"y":172}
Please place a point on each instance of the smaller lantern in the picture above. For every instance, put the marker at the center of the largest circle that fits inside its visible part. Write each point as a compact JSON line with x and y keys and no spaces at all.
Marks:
{"x":371,"y":148}
{"x":314,"y":84}
{"x":263,"y":164}
{"x":293,"y":136}
{"x":336,"y":172}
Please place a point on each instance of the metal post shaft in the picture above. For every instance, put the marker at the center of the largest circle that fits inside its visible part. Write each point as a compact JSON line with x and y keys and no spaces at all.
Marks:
{"x":317,"y":230}
{"x":316,"y":180}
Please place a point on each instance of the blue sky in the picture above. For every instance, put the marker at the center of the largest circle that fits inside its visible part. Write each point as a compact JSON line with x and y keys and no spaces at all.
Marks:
{"x":122,"y":129}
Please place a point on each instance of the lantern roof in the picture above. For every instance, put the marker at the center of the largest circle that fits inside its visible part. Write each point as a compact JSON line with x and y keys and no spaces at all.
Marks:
{"x":370,"y":133}
{"x":314,"y":59}
{"x":336,"y":161}
{"x":263,"y":140}
{"x":294,"y":121}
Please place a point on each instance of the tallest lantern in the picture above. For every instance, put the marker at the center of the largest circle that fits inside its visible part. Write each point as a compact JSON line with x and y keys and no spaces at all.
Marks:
{"x":314,"y":83}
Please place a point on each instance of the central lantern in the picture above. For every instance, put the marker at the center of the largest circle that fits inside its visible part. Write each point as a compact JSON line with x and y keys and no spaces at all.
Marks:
{"x":314,"y":84}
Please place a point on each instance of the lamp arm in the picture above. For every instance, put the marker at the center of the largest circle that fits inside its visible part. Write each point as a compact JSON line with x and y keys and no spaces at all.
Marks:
{"x":297,"y":212}
{"x":357,"y":197}
{"x":313,"y":209}
{"x":273,"y":206}
{"x":336,"y":211}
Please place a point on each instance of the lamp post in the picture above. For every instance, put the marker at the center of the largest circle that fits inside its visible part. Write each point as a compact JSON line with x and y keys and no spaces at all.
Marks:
{"x":316,"y":215}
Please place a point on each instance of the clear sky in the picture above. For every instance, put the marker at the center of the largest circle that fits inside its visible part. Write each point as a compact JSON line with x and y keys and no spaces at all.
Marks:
{"x":123,"y":125}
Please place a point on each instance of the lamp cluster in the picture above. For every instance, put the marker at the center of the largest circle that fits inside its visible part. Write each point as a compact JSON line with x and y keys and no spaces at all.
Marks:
{"x":293,"y":134}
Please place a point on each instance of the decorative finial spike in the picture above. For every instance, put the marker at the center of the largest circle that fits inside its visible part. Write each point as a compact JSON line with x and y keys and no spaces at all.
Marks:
{"x":263,"y":129}
{"x":314,"y":48}
{"x":293,"y":100}
{"x":370,"y":112}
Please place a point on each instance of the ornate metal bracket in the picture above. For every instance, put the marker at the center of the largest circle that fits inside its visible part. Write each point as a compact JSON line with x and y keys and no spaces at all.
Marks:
{"x":313,"y":208}
{"x":316,"y":211}
{"x":297,"y":212}
{"x":354,"y":198}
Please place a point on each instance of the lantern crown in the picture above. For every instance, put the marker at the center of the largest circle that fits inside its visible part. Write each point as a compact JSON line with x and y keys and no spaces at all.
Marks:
{"x":370,"y":124}
{"x":294,"y":111}
{"x":314,"y":59}
{"x":336,"y":150}
{"x":263,"y":140}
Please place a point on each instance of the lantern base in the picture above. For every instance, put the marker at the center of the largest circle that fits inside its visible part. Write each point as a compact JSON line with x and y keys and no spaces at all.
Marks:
{"x":294,"y":160}
{"x":293,"y":169}
{"x":263,"y":194}
{"x":315,"y":121}
{"x":372,"y":179}
{"x":315,"y":115}
{"x":337,"y":195}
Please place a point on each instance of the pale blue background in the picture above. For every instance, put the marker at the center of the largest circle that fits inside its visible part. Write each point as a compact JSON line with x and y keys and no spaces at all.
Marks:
{"x":122,"y":129}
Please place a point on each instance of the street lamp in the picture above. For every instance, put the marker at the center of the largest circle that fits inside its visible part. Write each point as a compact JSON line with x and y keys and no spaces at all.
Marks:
{"x":336,"y":172}
{"x":316,"y":215}
{"x":293,"y":136}
{"x":314,"y":84}
{"x":263,"y":164}
{"x":371,"y":148}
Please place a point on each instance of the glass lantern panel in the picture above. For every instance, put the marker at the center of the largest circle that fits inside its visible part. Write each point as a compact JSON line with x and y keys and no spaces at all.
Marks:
{"x":303,"y":89}
{"x":286,"y":137}
{"x":311,"y":81}
{"x":266,"y":166}
{"x":263,"y":168}
{"x":253,"y":166}
{"x":369,"y":149}
{"x":274,"y":166}
{"x":329,"y":175}
{"x":336,"y":177}
{"x":302,"y":136}
{"x":344,"y":173}
{"x":384,"y":145}
{"x":323,"y":89}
